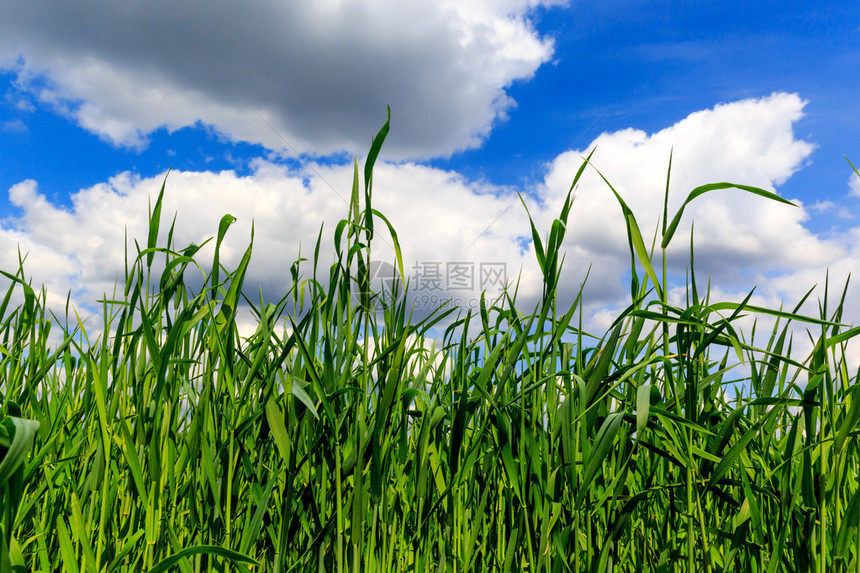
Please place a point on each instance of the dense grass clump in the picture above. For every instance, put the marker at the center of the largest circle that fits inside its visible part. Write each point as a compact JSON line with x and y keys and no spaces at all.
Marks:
{"x":333,"y":440}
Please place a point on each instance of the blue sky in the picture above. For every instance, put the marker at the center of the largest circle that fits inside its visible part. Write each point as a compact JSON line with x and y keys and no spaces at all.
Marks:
{"x":488,"y":99}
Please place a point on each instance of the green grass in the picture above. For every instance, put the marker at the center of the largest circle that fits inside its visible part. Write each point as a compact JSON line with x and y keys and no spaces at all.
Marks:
{"x":332,"y":439}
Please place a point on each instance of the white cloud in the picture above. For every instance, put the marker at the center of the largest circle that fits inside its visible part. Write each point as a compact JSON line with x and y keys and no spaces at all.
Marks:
{"x":321,"y":73}
{"x":741,"y":240}
{"x":854,"y":185}
{"x":823,"y":206}
{"x":24,"y":105}
{"x":736,"y":234}
{"x":14,"y":126}
{"x":81,"y":249}
{"x":831,"y":207}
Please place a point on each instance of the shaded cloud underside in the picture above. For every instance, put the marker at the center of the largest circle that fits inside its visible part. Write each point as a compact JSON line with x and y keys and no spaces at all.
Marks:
{"x":319,"y":72}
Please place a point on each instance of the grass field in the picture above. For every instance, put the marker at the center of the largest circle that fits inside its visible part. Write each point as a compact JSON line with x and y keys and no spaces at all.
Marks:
{"x":333,"y":440}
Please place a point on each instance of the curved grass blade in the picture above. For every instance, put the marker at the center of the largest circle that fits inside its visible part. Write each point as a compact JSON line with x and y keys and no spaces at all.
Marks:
{"x":699,"y":191}
{"x":234,"y":556}
{"x":21,"y":434}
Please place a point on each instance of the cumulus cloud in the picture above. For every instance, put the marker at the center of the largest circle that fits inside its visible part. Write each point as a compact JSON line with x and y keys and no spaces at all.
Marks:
{"x":737,"y":235}
{"x":441,"y":217}
{"x":319,"y":73}
{"x":741,"y":241}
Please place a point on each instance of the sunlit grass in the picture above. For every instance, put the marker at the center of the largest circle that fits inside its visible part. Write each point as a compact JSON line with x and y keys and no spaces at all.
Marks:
{"x":332,"y":439}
